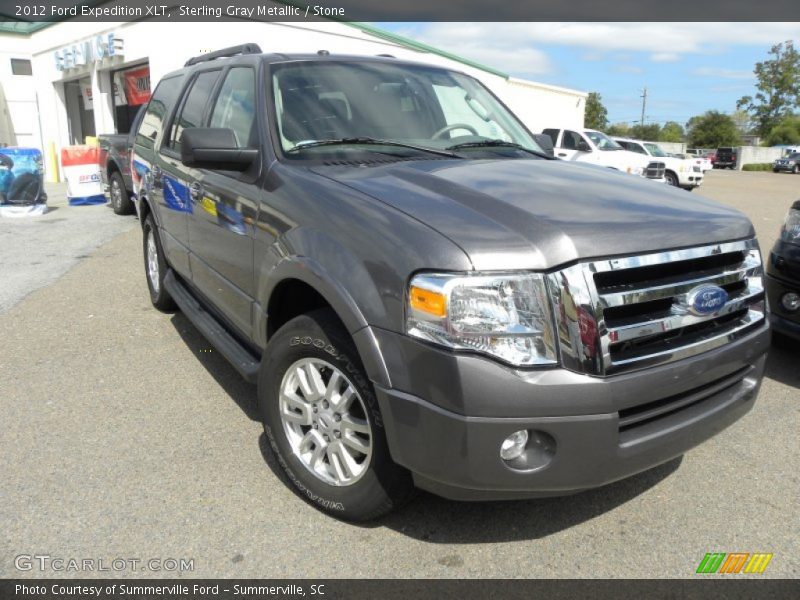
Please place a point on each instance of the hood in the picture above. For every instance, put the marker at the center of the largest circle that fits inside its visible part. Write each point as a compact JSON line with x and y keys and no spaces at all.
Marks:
{"x":539,"y":214}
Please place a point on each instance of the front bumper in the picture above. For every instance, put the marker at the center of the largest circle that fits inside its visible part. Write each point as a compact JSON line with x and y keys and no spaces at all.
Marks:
{"x":783,"y":275}
{"x":779,"y":167}
{"x":446,"y":416}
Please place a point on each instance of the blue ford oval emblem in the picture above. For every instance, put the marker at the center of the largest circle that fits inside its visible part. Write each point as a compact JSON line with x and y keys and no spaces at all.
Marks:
{"x":706,"y":299}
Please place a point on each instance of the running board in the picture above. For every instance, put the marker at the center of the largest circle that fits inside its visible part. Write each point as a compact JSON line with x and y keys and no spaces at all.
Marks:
{"x":224,"y":342}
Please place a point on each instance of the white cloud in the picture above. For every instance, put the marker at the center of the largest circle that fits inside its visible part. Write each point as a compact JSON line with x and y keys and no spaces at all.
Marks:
{"x":656,"y":38}
{"x":665,"y":57}
{"x":722,"y":73}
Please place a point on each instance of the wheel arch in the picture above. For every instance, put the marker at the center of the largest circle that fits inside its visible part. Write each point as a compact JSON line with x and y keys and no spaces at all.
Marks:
{"x":298,"y":285}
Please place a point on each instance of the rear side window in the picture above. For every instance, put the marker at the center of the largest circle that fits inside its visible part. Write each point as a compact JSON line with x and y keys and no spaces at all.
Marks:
{"x":160,"y":104}
{"x":572,"y":140}
{"x":236,"y":106}
{"x":633,"y":147}
{"x":191,"y":113}
{"x":552,"y":133}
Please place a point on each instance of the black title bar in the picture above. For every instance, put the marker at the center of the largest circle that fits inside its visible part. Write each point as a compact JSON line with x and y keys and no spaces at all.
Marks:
{"x":403,"y":10}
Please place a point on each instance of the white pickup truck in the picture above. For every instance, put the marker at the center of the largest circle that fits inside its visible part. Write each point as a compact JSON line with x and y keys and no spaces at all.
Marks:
{"x":591,"y":146}
{"x":679,"y":172}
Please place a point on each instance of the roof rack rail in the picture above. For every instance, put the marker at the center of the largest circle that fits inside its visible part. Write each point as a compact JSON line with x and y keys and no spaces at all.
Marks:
{"x":224,"y":53}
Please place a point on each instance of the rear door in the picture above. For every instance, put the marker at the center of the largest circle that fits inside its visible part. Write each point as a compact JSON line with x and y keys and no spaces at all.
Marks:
{"x":147,"y":174}
{"x":176,"y":179}
{"x":225,"y":207}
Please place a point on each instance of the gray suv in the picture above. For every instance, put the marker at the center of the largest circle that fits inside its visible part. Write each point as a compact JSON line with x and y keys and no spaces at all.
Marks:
{"x":424,"y":297}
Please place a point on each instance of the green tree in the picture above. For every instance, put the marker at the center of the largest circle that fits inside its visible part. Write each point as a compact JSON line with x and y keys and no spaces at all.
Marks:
{"x":743,"y":121}
{"x":646,"y":132}
{"x":671,"y":132}
{"x":785,"y":132}
{"x":712,"y":130}
{"x":595,"y":116}
{"x":778,"y":88}
{"x":619,"y":130}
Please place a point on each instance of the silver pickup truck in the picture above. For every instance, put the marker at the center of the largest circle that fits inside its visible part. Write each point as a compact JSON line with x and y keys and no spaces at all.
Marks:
{"x":424,"y":297}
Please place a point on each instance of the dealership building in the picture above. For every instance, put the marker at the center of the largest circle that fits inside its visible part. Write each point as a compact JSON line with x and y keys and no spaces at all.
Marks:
{"x":63,"y":82}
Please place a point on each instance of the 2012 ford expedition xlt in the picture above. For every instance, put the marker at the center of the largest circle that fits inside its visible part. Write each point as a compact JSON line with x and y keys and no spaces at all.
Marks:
{"x":426,"y":299}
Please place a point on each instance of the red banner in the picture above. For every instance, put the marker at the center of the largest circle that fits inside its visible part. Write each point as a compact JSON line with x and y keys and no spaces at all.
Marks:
{"x":137,"y":85}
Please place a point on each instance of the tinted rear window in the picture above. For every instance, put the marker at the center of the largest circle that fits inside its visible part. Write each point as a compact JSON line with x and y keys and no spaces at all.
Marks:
{"x":157,"y":109}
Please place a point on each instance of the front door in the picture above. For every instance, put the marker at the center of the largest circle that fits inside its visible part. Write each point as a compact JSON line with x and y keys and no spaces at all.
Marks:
{"x":225,"y":208}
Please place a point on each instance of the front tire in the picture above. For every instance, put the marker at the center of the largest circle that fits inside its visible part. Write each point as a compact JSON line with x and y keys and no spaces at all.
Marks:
{"x":671,"y":178}
{"x":155,"y":267}
{"x":120,"y":201}
{"x":795,"y":170}
{"x":323,"y":422}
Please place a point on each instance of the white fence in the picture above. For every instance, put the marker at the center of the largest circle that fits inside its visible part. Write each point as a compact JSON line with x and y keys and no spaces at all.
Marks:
{"x":756,"y":154}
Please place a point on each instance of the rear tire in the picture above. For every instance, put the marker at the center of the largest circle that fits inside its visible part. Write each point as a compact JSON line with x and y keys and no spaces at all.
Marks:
{"x":327,"y":435}
{"x":155,"y":267}
{"x":120,"y":201}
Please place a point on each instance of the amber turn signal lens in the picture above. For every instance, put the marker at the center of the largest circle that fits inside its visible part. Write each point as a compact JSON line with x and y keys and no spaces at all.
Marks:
{"x":429,"y":302}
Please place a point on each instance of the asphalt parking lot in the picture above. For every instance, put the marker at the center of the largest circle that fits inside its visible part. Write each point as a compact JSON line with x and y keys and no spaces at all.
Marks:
{"x":124,"y":436}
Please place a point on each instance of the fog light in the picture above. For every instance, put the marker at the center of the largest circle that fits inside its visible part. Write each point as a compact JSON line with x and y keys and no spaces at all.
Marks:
{"x":514,"y":445}
{"x":791,"y":301}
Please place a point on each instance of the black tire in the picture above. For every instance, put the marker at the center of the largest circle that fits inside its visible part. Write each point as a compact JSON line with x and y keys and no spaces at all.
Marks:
{"x":774,"y":170}
{"x":384,"y":485}
{"x":672,"y":179}
{"x":120,"y":201}
{"x":155,"y":281}
{"x":795,"y":170}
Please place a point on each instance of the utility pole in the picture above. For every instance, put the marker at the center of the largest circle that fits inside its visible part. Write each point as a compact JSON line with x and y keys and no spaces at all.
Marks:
{"x":644,"y":103}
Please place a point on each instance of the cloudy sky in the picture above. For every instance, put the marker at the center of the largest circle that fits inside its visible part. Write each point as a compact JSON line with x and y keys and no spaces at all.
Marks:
{"x":688,"y":68}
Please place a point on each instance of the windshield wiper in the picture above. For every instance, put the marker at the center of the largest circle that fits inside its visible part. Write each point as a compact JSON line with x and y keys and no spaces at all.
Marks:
{"x":497,"y":144}
{"x":369,"y":141}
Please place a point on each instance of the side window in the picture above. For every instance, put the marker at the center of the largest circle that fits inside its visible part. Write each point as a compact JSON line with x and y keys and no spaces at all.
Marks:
{"x":160,"y":104}
{"x":572,"y":140}
{"x":553,"y":134}
{"x":636,"y":148}
{"x":236,"y":106}
{"x":191,"y":113}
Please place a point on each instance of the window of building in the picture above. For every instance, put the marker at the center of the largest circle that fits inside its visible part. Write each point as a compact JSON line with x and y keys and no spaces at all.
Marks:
{"x":21,"y":66}
{"x":131,"y":90}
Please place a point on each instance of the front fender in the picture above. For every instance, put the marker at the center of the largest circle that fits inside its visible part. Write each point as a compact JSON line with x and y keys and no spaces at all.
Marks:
{"x":340,"y":278}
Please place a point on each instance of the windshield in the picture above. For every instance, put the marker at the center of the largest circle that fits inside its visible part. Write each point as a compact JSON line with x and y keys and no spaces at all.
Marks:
{"x":654,"y":149}
{"x":602,"y":141}
{"x":354,"y":104}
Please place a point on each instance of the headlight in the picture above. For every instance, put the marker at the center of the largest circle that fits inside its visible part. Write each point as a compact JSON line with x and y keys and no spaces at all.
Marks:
{"x":503,"y":315}
{"x":790,"y":232}
{"x":635,"y":170}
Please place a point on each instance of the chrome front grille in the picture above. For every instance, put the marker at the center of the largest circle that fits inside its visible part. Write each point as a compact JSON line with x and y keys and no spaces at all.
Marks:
{"x":629,"y":313}
{"x":655,"y":170}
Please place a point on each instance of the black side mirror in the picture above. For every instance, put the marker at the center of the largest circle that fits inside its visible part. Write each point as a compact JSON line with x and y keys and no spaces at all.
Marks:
{"x":583,"y":146}
{"x":545,"y":142}
{"x":214,"y":148}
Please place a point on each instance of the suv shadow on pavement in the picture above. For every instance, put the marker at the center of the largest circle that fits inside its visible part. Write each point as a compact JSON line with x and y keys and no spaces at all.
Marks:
{"x":433,"y":519}
{"x":782,"y":361}
{"x":243,"y":393}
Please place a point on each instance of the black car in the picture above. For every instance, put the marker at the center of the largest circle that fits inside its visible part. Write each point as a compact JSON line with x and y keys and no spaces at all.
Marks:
{"x":726,"y":158}
{"x":790,"y":163}
{"x":783,"y":277}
